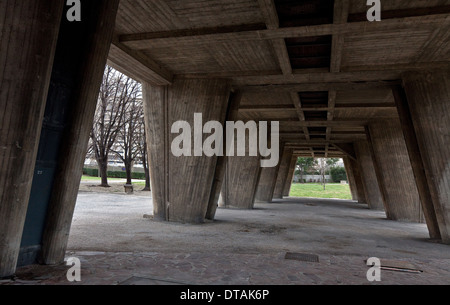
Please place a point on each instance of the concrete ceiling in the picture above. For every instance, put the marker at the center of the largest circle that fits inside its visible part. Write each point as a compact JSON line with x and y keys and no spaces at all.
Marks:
{"x":318,"y":67}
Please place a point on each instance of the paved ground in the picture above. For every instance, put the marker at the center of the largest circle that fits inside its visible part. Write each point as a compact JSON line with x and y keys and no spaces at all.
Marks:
{"x":117,"y":245}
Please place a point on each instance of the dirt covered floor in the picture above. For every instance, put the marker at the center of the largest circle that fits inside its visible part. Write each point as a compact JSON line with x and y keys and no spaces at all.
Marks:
{"x":117,"y":242}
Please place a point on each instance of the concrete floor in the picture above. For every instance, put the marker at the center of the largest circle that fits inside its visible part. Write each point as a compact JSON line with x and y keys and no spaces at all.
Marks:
{"x":117,"y":245}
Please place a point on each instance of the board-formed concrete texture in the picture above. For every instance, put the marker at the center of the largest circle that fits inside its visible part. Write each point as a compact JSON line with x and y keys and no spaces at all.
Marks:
{"x":375,"y":93}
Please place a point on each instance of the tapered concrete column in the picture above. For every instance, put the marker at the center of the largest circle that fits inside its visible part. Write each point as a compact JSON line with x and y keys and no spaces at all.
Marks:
{"x":28,"y":35}
{"x":182,"y":185}
{"x":351,"y":178}
{"x":219,"y":176}
{"x":428,"y":97}
{"x":290,"y":176}
{"x":416,"y":162}
{"x":368,"y":176}
{"x":82,"y":54}
{"x":241,"y":180}
{"x":361,"y":192}
{"x":283,"y":172}
{"x":266,"y":185}
{"x":394,"y":172}
{"x":355,"y":180}
{"x":267,"y":181}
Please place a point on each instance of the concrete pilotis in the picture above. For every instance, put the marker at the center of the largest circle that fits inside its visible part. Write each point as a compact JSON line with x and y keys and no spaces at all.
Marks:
{"x":428,"y":97}
{"x":266,"y":185}
{"x":351,"y":178}
{"x":290,"y":176}
{"x":395,"y":175}
{"x":369,"y":179}
{"x":221,"y":167}
{"x":27,"y":44}
{"x":87,"y":44}
{"x":182,"y":185}
{"x":241,"y":180}
{"x":283,"y":172}
{"x":360,"y":190}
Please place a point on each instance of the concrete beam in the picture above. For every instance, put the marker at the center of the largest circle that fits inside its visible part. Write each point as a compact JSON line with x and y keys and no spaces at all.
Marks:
{"x":138,"y":65}
{"x":140,"y":41}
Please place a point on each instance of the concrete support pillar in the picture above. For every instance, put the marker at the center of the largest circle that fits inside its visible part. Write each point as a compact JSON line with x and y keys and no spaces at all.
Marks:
{"x":27,"y":43}
{"x":221,"y":167}
{"x":351,"y":178}
{"x":394,"y":172}
{"x":241,"y":180}
{"x":283,"y":172}
{"x":267,"y":181}
{"x":361,"y":192}
{"x":369,"y":179}
{"x":290,"y":176}
{"x":428,"y":100}
{"x":82,"y":53}
{"x":182,"y":186}
{"x":266,"y":185}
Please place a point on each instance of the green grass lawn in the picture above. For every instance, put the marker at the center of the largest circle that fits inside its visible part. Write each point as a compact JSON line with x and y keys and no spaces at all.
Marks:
{"x":139,"y":182}
{"x":310,"y":190}
{"x":315,"y":190}
{"x":96,"y":179}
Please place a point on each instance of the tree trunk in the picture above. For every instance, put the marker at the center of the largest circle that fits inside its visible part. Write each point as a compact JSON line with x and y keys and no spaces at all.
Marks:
{"x":323,"y":181}
{"x":103,"y":169}
{"x":147,"y":174}
{"x":128,"y":166}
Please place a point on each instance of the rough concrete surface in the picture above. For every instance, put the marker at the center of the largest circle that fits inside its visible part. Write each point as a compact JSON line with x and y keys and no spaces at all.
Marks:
{"x":118,"y":245}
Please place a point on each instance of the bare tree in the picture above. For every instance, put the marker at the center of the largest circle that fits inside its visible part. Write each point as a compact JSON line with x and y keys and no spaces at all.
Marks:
{"x":142,"y":146}
{"x":117,"y":91}
{"x":129,"y":136}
